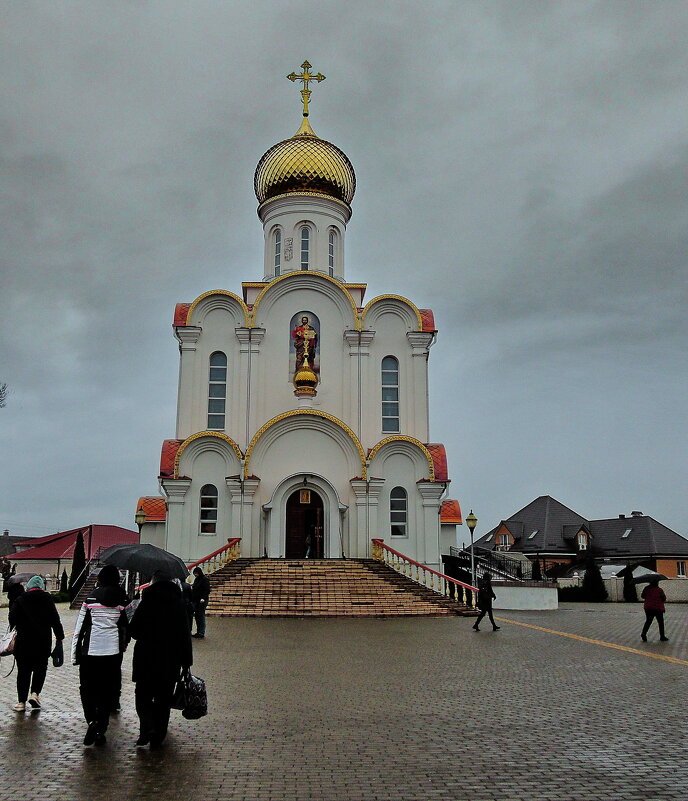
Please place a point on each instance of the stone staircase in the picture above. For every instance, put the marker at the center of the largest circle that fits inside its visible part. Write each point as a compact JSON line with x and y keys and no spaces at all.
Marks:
{"x":321,"y":588}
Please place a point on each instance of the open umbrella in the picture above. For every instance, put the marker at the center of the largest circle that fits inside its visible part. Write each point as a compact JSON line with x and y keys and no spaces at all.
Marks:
{"x":144,"y":559}
{"x":646,"y":578}
{"x":20,"y":578}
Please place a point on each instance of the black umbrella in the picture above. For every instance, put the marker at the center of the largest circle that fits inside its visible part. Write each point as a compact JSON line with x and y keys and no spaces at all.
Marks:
{"x":646,"y":578}
{"x":144,"y":559}
{"x":20,"y":578}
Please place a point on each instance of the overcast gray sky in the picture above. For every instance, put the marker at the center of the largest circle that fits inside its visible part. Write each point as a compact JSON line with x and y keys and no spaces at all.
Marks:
{"x":521,"y":170}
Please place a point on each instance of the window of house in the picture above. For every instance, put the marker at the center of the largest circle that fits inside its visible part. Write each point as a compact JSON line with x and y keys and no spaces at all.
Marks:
{"x":398,"y":511}
{"x":503,"y":542}
{"x":217,"y":391}
{"x":331,"y":244}
{"x":582,"y":541}
{"x":681,"y":569}
{"x":390,"y":394}
{"x":208,"y":521}
{"x":278,"y":251}
{"x":305,"y":247}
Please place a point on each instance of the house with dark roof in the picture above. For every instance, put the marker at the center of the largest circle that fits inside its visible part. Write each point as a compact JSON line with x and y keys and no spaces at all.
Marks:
{"x":557,"y":537}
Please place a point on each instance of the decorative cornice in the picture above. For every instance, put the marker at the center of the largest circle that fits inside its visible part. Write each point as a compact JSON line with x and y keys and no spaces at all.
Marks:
{"x":194,"y":437}
{"x":188,"y":336}
{"x":225,"y":293}
{"x":401,"y":299}
{"x":412,"y":441}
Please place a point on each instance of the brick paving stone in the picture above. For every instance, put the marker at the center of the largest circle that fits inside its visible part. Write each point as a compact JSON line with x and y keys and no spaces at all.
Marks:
{"x":382,"y":709}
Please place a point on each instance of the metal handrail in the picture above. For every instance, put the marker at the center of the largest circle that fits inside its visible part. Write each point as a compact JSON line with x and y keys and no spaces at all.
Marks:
{"x":508,"y":567}
{"x":425,"y":575}
{"x":219,"y":558}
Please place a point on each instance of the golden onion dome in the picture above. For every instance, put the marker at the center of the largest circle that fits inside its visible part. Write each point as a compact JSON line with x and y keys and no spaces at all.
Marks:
{"x":305,"y":163}
{"x":305,"y":381}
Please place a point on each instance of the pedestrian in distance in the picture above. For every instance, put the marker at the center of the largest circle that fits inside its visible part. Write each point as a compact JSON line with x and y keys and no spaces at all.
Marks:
{"x":200,"y":591}
{"x":653,"y":602}
{"x":485,"y":597}
{"x":98,"y":645}
{"x":34,"y":614}
{"x":163,"y":648}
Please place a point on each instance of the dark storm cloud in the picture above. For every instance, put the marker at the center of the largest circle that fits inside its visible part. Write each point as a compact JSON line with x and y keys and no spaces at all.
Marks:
{"x":521,"y":170}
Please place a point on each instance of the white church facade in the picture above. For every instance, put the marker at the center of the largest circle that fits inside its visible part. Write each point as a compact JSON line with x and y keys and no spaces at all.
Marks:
{"x":302,"y":416}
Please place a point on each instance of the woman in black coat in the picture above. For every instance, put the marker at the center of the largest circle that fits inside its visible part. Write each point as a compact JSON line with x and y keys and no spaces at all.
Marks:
{"x":160,"y":627}
{"x":35,"y":617}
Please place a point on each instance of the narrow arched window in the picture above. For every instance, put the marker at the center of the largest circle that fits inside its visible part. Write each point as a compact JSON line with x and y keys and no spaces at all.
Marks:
{"x":398,"y":512}
{"x":278,"y":251}
{"x":331,"y":246}
{"x":305,"y":247}
{"x":208,"y":517}
{"x":217,"y":391}
{"x":390,"y":394}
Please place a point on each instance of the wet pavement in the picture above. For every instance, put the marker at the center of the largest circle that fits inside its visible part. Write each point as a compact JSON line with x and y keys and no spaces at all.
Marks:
{"x":375,"y":710}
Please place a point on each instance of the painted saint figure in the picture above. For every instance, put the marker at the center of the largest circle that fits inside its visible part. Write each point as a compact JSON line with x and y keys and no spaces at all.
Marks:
{"x":306,"y":342}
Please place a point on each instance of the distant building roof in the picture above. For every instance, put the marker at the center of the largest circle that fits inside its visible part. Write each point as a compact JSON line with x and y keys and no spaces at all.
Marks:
{"x":61,"y":545}
{"x":7,"y":543}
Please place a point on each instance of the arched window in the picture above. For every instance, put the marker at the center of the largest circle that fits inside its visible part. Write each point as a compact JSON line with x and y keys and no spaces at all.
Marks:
{"x":208,"y":517}
{"x":217,"y":391}
{"x":331,"y":247}
{"x":305,"y":247}
{"x":278,"y":250}
{"x":398,"y":512}
{"x":390,"y":394}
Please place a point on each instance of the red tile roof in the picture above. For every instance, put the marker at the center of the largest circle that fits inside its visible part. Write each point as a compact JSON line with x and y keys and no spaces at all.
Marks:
{"x":181,"y":313}
{"x":167,"y":456}
{"x":439,"y":460}
{"x":451,"y":511}
{"x":61,"y":545}
{"x":154,"y":507}
{"x":428,"y":319}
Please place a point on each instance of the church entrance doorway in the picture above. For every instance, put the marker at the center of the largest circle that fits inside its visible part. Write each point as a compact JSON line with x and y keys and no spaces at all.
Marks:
{"x":304,"y":536}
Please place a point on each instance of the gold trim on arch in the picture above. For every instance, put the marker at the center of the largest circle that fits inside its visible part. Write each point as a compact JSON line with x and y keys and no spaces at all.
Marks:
{"x":310,"y":273}
{"x":400,"y":298}
{"x":193,"y":437}
{"x":224,"y":292}
{"x":312,"y":413}
{"x":413,"y":441}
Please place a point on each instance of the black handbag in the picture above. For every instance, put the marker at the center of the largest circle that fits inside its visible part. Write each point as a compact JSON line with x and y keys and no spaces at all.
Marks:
{"x":190,"y":696}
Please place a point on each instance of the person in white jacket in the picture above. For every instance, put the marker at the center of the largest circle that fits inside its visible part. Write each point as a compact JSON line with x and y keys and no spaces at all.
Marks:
{"x":100,"y":639}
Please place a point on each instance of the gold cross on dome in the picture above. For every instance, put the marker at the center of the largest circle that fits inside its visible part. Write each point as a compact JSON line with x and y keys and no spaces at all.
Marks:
{"x":305,"y":77}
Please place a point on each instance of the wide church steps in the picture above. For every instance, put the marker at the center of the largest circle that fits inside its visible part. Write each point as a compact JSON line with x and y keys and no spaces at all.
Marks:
{"x":321,"y":588}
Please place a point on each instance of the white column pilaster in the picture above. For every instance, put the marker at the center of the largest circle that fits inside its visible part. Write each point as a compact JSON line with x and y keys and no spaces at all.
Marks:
{"x":188,"y":337}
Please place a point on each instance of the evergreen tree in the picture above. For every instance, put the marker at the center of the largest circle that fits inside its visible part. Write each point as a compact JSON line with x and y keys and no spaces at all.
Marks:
{"x":630,"y":593}
{"x":537,"y":571}
{"x":78,"y":575}
{"x":593,"y":585}
{"x":63,"y":582}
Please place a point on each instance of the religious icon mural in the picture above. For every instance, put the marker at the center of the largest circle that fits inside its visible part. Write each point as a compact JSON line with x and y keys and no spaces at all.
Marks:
{"x":304,"y":331}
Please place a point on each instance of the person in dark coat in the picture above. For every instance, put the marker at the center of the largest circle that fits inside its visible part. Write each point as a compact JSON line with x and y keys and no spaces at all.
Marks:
{"x":485,"y":597}
{"x":200,"y":591}
{"x":100,"y":638}
{"x":14,"y":591}
{"x":653,"y":602}
{"x":163,"y":647}
{"x":36,"y":619}
{"x":187,"y":596}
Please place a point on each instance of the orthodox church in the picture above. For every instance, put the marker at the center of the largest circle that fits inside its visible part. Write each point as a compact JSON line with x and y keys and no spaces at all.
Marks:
{"x":302,"y":413}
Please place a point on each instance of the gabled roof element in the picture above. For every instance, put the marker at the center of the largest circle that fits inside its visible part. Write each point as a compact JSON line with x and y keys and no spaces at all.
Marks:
{"x":168,"y":455}
{"x":154,"y":507}
{"x":451,"y":512}
{"x":61,"y":545}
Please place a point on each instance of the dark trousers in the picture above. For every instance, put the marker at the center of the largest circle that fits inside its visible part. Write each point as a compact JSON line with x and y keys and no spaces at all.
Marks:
{"x":650,"y":615}
{"x":199,"y":615}
{"x":153,"y":705}
{"x":31,"y":670}
{"x":100,"y":684}
{"x":483,"y":612}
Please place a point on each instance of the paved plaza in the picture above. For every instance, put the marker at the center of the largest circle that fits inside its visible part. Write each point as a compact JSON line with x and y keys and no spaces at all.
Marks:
{"x":375,"y":710}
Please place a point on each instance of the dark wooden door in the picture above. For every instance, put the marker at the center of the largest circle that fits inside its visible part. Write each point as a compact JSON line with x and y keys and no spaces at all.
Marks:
{"x":304,"y":526}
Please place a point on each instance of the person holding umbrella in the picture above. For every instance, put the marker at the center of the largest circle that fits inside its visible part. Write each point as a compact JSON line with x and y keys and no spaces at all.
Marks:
{"x":160,"y":627}
{"x":653,"y":602}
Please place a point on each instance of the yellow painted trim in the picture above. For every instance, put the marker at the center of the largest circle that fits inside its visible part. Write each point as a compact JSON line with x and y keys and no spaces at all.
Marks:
{"x":310,"y":273}
{"x":413,"y":441}
{"x":311,"y":413}
{"x":194,"y":437}
{"x":580,"y":638}
{"x":401,"y":299}
{"x":224,"y":292}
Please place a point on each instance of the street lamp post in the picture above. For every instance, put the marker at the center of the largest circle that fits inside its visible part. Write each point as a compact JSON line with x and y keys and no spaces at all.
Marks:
{"x":472,"y":522}
{"x":140,"y":518}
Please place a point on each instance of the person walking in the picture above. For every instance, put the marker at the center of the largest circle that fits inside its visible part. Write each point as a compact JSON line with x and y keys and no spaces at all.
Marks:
{"x":485,"y":597}
{"x":163,"y":648}
{"x":653,"y":602}
{"x":36,"y":619}
{"x":200,"y":592}
{"x":98,"y":645}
